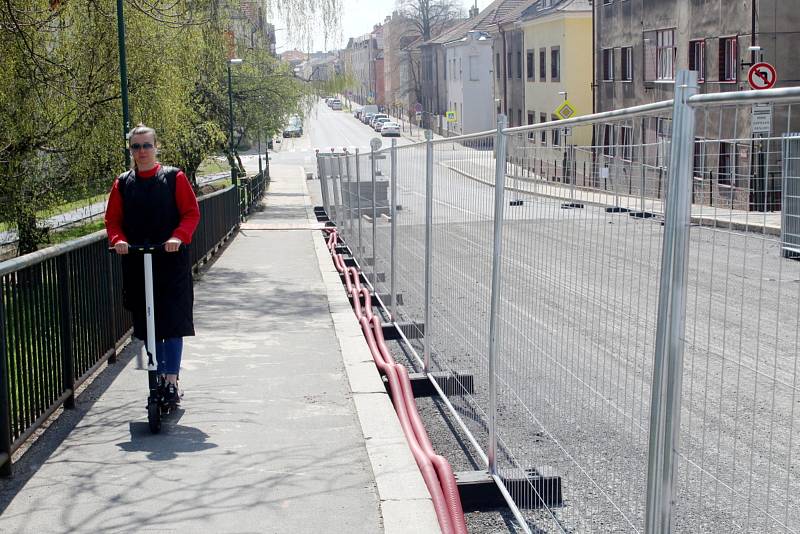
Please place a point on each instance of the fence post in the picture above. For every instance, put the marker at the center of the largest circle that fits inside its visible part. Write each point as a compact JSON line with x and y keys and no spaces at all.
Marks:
{"x":65,"y":313}
{"x":5,"y":382}
{"x":428,"y":245}
{"x":393,"y":237}
{"x":499,"y":205}
{"x":665,"y":407}
{"x":374,"y":145}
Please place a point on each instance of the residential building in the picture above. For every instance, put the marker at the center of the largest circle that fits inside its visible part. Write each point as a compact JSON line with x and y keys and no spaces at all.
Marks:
{"x":509,"y":54}
{"x":469,"y":87}
{"x":638,"y":48}
{"x":433,"y":93}
{"x":398,"y":33}
{"x":557,"y":65}
{"x":363,"y":65}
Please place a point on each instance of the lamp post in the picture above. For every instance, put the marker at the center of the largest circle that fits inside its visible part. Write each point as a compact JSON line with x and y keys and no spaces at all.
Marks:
{"x":234,"y":179}
{"x":123,"y":79}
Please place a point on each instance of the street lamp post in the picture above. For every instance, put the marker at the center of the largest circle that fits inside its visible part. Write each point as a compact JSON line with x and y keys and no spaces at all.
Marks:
{"x":234,"y":179}
{"x":123,"y":78}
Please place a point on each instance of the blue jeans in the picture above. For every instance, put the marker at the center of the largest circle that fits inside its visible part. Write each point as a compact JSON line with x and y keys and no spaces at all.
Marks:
{"x":168,"y":355}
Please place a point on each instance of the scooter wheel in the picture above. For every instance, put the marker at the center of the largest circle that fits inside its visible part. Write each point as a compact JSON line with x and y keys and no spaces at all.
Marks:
{"x":154,"y":417}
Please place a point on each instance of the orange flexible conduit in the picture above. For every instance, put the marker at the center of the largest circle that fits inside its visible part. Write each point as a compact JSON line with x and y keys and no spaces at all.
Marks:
{"x":435,"y":469}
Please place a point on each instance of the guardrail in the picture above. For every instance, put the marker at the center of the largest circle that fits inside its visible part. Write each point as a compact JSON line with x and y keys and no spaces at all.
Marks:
{"x":618,"y":329}
{"x":61,"y":317}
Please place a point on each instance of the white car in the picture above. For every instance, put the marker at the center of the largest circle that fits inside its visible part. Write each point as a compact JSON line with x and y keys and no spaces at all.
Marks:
{"x":390,"y":128}
{"x":336,"y":104}
{"x":376,"y":117}
{"x":377,"y":124}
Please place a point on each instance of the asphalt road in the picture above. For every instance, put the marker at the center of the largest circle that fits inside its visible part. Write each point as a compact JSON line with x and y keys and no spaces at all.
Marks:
{"x":578,"y":320}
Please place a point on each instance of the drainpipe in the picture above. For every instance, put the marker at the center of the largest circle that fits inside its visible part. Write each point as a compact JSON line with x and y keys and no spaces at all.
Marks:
{"x":504,"y":60}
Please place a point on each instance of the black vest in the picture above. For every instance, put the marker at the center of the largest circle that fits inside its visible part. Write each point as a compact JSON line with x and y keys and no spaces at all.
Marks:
{"x":150,"y":212}
{"x":150,"y":216}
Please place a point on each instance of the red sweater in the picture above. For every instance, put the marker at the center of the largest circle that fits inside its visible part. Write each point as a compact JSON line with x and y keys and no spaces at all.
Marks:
{"x":184,"y":199}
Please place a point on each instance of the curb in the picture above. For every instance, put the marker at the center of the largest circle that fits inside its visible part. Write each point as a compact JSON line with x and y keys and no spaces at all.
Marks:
{"x":405,"y":503}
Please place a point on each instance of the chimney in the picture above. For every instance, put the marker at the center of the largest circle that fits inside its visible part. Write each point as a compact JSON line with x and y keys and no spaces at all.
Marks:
{"x":473,"y":11}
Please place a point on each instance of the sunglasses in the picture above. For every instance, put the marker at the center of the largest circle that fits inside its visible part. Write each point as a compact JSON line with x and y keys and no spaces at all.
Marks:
{"x":145,"y":146}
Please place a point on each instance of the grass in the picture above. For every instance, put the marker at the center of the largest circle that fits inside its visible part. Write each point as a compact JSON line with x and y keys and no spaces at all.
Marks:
{"x":75,"y":232}
{"x":212,"y":165}
{"x":61,"y":208}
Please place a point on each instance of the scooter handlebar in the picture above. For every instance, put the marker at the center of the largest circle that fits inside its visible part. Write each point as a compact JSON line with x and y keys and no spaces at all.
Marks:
{"x":144,"y":249}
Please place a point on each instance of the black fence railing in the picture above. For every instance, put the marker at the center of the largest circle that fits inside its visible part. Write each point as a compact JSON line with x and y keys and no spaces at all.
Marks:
{"x":61,"y":317}
{"x":252,"y":191}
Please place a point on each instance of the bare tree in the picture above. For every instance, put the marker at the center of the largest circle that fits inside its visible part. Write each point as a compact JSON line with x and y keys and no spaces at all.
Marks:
{"x":430,"y":17}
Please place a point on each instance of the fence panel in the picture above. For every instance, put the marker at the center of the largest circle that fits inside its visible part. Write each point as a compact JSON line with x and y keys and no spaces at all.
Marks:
{"x":410,"y":238}
{"x":739,"y":451}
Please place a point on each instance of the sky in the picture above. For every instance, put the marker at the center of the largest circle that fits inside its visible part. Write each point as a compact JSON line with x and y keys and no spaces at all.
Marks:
{"x":358,"y":18}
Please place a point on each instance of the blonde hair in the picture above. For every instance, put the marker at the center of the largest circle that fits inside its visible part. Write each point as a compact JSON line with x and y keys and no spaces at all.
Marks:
{"x":140,"y":129}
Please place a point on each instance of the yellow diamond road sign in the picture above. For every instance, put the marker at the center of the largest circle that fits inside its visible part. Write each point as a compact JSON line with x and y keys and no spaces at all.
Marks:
{"x":565,"y":110}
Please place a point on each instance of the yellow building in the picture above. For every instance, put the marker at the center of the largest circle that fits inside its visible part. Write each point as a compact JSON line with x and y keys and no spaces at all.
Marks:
{"x":557,"y":40}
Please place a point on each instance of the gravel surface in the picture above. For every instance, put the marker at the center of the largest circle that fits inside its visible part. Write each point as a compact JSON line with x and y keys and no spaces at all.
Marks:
{"x":577,"y":335}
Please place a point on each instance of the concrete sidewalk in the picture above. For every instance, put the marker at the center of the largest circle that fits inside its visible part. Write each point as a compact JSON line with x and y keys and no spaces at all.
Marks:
{"x":285,"y":424}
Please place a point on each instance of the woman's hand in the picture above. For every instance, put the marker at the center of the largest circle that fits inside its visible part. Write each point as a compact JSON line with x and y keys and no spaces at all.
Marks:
{"x":121,"y":247}
{"x":173,"y":244}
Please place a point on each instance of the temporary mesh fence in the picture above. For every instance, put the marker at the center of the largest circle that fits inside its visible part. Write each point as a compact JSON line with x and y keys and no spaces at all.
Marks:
{"x":617,"y":334}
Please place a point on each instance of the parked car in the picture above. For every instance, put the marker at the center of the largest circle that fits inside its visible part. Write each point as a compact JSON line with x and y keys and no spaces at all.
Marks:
{"x":294,"y":128}
{"x":336,"y":104}
{"x":390,"y":128}
{"x":366,"y":117}
{"x":376,"y":117}
{"x":369,"y":108}
{"x":357,"y":114}
{"x":377,"y":124}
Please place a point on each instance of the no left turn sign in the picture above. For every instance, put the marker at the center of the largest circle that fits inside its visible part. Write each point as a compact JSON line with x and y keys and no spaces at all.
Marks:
{"x":762,"y":76}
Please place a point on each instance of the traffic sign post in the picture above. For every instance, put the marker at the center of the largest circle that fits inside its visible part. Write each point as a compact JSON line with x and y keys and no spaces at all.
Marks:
{"x":762,"y":76}
{"x":418,"y":107}
{"x":451,"y":116}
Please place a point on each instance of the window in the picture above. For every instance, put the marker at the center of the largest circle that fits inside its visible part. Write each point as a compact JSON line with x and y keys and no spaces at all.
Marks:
{"x":519,"y":64}
{"x":531,"y":120}
{"x":609,"y":140}
{"x":627,"y":64}
{"x":699,"y":158}
{"x":608,"y":64}
{"x":473,"y":69}
{"x":726,"y":168}
{"x":607,"y":2}
{"x":519,"y":117}
{"x":697,"y":58}
{"x":529,"y":65}
{"x":665,"y":54}
{"x":542,"y":65}
{"x":556,"y":132}
{"x":459,"y":69}
{"x":497,"y":65}
{"x":728,"y":51}
{"x":543,"y":135}
{"x":555,"y":64}
{"x":509,"y":66}
{"x":626,"y":142}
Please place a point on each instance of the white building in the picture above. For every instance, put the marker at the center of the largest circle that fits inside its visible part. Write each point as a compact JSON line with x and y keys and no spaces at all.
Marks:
{"x":468,"y":61}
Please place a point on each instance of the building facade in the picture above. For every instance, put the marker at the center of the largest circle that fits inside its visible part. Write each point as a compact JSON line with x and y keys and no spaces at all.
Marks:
{"x":468,"y":61}
{"x":639,"y":47}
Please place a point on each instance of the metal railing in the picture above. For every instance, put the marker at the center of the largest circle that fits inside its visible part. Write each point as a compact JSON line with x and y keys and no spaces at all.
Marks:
{"x":604,"y":323}
{"x":61,"y":317}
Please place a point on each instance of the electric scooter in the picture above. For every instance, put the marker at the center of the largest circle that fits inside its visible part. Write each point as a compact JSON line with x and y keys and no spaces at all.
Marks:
{"x":157,"y":404}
